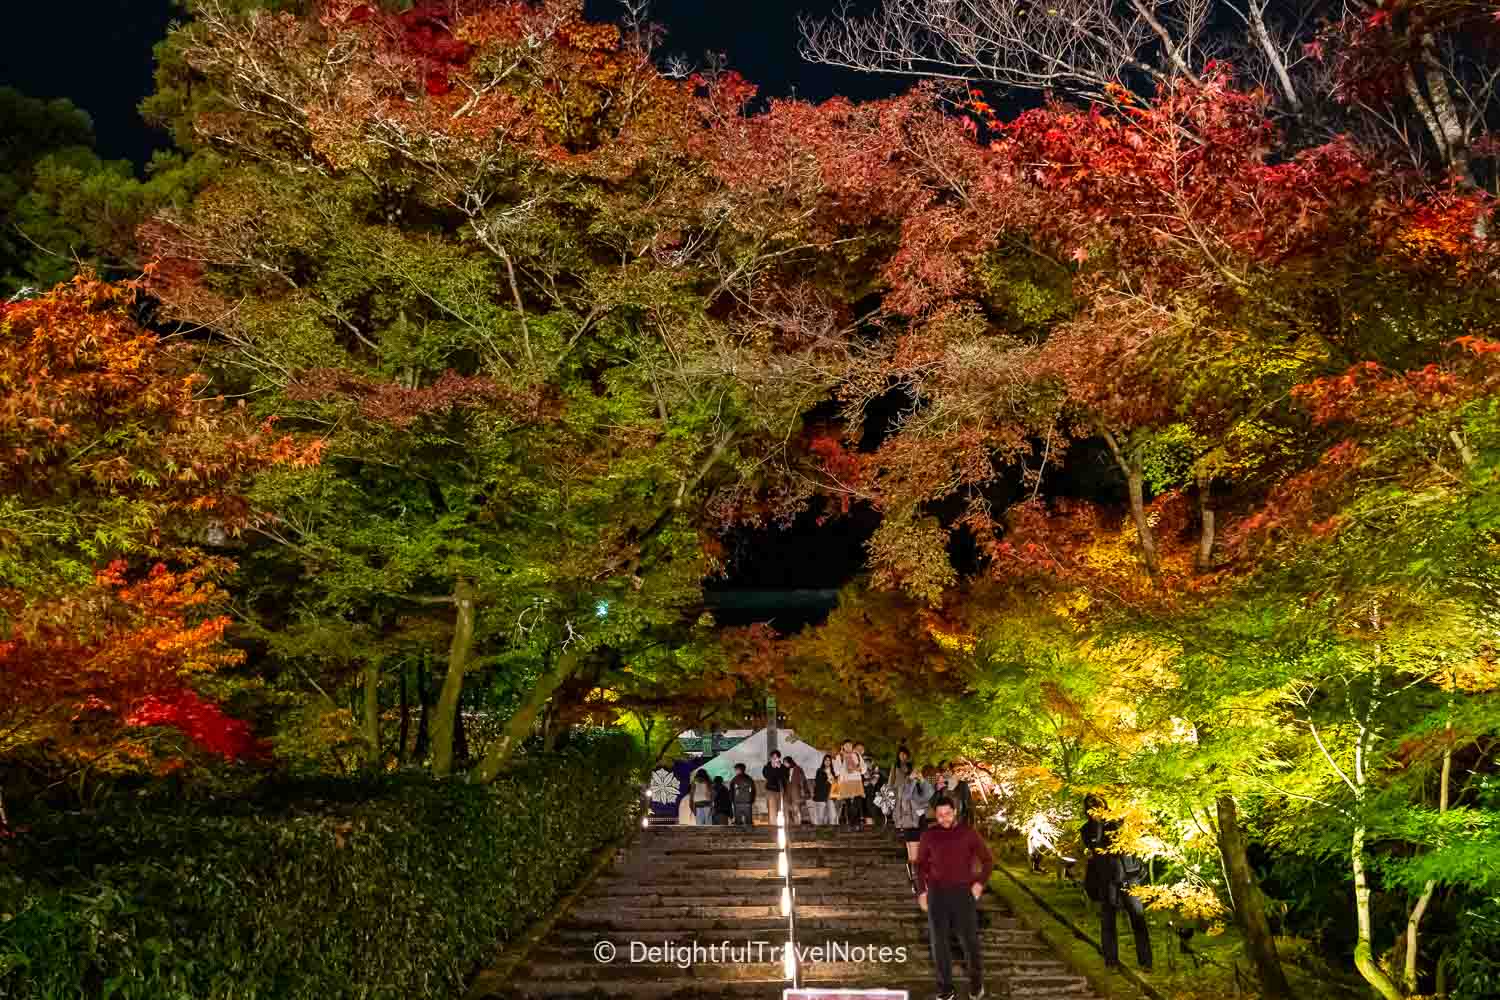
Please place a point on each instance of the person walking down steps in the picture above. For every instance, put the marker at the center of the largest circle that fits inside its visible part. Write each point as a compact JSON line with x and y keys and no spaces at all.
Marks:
{"x":849,"y":767}
{"x":742,"y":788}
{"x":953,"y":867}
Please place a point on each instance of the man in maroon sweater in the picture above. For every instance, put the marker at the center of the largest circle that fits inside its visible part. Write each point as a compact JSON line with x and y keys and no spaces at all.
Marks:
{"x":953,"y":867}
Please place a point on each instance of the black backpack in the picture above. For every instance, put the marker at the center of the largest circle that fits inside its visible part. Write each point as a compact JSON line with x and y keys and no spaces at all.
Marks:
{"x":744,"y":791}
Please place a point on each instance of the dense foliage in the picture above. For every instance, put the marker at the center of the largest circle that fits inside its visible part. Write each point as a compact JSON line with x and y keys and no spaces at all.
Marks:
{"x":304,"y":890}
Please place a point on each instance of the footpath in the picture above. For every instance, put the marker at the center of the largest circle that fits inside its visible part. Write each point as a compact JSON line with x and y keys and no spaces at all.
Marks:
{"x":695,"y":912}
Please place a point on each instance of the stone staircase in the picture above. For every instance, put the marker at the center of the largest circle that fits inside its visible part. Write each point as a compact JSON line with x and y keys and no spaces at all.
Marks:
{"x":717,"y":886}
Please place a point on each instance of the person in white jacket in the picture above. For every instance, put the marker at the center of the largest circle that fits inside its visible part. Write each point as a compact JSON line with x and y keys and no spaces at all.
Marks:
{"x":849,"y":768}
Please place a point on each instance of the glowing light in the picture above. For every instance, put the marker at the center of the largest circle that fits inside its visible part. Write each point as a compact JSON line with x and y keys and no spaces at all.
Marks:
{"x":645,"y":822}
{"x":786,"y":900}
{"x":781,"y":864}
{"x":781,"y":838}
{"x":780,"y":817}
{"x":601,"y":609}
{"x":789,"y":960}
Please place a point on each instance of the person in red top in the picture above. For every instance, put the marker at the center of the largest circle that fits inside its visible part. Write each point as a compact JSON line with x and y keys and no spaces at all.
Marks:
{"x":953,"y":867}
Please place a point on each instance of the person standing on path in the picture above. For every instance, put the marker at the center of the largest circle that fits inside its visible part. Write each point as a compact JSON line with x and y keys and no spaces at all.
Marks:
{"x":953,"y":867}
{"x":796,"y":791}
{"x":823,"y":785}
{"x":874,"y":782}
{"x":777,"y":774}
{"x":1108,"y":880}
{"x":742,"y":788}
{"x":723,"y":803}
{"x":850,"y":769}
{"x":912,"y":800}
{"x":703,"y":799}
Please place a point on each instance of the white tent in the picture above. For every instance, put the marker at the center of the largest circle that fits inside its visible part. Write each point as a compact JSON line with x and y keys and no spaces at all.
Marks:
{"x":753,"y":753}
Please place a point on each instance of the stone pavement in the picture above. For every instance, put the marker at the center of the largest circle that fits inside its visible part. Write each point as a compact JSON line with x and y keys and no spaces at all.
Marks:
{"x":717,"y":887}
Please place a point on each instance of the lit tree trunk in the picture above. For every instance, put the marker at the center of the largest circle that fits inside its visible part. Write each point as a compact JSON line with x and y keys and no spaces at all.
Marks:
{"x":519,"y":726}
{"x":370,"y":726}
{"x":1250,"y":907}
{"x":1135,"y":482}
{"x":1364,"y":950}
{"x":443,"y":720}
{"x":1414,"y":922}
{"x":1206,"y":539}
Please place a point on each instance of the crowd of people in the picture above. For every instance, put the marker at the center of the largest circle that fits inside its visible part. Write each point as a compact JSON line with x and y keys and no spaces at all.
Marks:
{"x":948,"y":863}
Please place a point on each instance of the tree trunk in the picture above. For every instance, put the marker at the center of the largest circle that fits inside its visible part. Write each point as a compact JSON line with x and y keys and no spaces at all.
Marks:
{"x":1364,"y":952}
{"x":519,"y":726}
{"x":1250,"y":908}
{"x":370,"y":726}
{"x":419,"y":751}
{"x":405,"y":719}
{"x":1414,"y":922}
{"x":444,"y":718}
{"x":1206,"y":538}
{"x":1135,"y":481}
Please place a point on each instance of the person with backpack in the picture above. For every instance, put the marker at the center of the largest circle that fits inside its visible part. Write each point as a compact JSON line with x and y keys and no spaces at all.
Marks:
{"x":777,"y":774}
{"x":742,"y":788}
{"x":1108,"y":880}
{"x":703,"y":799}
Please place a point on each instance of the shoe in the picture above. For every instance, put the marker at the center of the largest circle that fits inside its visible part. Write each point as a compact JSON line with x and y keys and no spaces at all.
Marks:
{"x":950,"y":995}
{"x":980,"y":994}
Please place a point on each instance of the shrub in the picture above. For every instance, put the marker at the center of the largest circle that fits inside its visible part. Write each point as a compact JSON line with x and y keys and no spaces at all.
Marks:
{"x":373,"y":888}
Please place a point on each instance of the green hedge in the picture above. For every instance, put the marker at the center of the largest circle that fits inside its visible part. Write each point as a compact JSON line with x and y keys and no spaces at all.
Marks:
{"x":393,"y":888}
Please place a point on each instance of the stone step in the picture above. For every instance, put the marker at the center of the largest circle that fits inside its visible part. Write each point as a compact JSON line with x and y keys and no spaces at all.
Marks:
{"x":823,"y":925}
{"x":694,"y":988}
{"x":575,"y":936}
{"x":717,"y":910}
{"x":1051,"y":974}
{"x":768,"y":895}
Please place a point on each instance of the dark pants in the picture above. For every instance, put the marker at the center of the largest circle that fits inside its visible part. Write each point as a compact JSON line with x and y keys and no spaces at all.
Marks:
{"x":952,"y":910}
{"x":854,"y":811}
{"x":742,"y":813}
{"x":1116,"y":898}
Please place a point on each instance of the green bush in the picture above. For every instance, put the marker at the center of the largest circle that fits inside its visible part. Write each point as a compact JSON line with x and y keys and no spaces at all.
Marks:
{"x":376,"y":888}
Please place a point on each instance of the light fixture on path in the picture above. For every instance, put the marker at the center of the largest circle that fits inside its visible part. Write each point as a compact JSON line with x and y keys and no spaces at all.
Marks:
{"x":781,"y":864}
{"x":786,"y":901}
{"x":789,"y":960}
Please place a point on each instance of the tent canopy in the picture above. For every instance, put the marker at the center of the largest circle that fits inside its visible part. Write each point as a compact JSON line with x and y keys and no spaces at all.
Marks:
{"x":753,"y":753}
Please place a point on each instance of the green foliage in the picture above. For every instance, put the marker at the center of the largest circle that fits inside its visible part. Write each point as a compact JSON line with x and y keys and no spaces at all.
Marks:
{"x":379,"y":888}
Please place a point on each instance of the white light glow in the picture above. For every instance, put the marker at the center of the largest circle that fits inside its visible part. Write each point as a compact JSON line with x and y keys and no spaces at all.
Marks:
{"x":781,"y":838}
{"x":781,"y":864}
{"x":789,"y":960}
{"x":786,"y":900}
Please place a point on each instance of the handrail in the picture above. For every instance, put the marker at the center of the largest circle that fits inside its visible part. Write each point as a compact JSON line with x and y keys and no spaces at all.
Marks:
{"x":790,"y":965}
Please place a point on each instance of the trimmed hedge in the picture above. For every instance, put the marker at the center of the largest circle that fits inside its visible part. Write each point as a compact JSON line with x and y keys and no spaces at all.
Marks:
{"x":368,"y":889}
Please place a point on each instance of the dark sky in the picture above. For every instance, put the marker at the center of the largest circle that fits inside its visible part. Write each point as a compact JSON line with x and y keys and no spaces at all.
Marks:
{"x":105,"y":64}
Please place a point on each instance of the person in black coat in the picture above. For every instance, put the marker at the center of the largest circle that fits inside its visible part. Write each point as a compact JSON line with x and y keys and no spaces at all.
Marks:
{"x":778,"y":775}
{"x":723,"y":803}
{"x":1108,"y":880}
